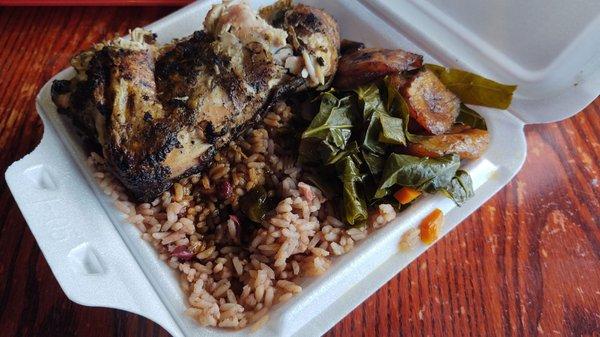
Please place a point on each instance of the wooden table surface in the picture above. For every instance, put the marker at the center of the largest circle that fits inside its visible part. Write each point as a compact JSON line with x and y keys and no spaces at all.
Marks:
{"x":526,"y":263}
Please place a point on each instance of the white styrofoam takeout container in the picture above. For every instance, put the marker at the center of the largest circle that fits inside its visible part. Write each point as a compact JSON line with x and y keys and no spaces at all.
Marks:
{"x":550,"y":48}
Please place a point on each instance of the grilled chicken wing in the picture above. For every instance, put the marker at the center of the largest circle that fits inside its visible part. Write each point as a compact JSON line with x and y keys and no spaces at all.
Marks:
{"x":160,"y":114}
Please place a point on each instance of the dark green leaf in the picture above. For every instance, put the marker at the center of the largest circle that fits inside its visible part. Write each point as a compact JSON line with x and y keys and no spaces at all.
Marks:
{"x":374,"y":162}
{"x":369,"y":99}
{"x":369,"y":185}
{"x":324,"y":180}
{"x":256,"y":203}
{"x":334,"y":120}
{"x":372,"y":107}
{"x":350,"y":151}
{"x":428,"y":174}
{"x":460,"y":188}
{"x":354,"y":207}
{"x":316,"y":151}
{"x":392,"y":130}
{"x":382,"y":128}
{"x":370,"y":140}
{"x":470,"y":117}
{"x":329,"y":131}
{"x":396,"y":106}
{"x":474,"y":89}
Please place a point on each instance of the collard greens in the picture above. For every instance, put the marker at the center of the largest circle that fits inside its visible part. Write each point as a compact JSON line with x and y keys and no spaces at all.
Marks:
{"x":392,"y":130}
{"x":256,"y":203}
{"x":333,"y":122}
{"x":329,"y":131}
{"x":372,"y":108}
{"x":369,"y":100}
{"x":460,"y":188}
{"x":353,"y":202}
{"x":353,"y":146}
{"x":470,"y":117}
{"x":474,"y":89}
{"x":427,"y":174}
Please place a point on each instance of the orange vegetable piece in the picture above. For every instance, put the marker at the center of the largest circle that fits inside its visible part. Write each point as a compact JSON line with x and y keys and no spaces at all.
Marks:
{"x":406,"y":195}
{"x":431,"y":225}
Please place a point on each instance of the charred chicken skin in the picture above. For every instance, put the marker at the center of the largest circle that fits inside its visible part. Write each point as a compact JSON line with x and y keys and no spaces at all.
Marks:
{"x":160,"y":113}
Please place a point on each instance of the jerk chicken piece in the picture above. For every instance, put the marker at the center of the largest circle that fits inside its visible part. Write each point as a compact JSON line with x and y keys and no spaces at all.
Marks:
{"x":369,"y":64}
{"x":161,"y":114}
{"x":431,"y":104}
{"x":315,"y":39}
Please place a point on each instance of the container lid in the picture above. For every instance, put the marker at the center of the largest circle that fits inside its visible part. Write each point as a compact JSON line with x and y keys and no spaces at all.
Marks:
{"x":549,"y":48}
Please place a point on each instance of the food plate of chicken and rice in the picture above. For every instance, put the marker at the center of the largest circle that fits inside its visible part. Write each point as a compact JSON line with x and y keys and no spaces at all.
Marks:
{"x":255,"y":152}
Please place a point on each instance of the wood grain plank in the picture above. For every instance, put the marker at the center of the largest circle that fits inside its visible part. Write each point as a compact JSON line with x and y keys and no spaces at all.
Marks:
{"x":527,"y":263}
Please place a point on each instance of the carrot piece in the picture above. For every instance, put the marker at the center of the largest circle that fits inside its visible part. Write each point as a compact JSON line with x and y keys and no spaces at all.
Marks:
{"x":406,"y":195}
{"x":431,"y":225}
